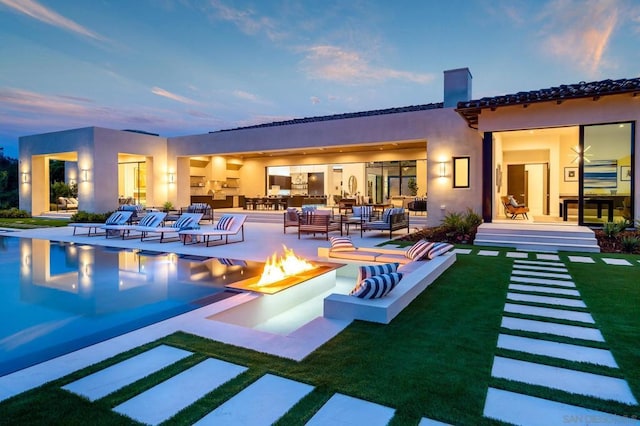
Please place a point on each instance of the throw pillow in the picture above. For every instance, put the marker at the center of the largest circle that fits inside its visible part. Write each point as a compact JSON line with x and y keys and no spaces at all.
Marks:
{"x":438,"y":249}
{"x":147,"y":220}
{"x":341,"y":244}
{"x":377,"y":286}
{"x":224,"y":223}
{"x":114,"y":219}
{"x":419,"y":250}
{"x":183,"y":222}
{"x":369,"y":271}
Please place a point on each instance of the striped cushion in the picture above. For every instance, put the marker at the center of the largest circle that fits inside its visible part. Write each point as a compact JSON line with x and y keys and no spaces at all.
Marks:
{"x":369,"y":271}
{"x":183,"y":222}
{"x":376,"y":286}
{"x":341,"y":244}
{"x":438,"y":249}
{"x":114,"y":219}
{"x":419,"y":250}
{"x":148,"y":220}
{"x":386,"y":214}
{"x":225,"y":222}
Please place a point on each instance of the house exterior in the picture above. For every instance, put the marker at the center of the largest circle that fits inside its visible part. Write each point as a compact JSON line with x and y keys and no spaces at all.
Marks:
{"x":553,"y":146}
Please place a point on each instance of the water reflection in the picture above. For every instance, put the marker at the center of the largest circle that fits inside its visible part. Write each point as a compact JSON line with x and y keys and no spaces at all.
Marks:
{"x":64,"y":296}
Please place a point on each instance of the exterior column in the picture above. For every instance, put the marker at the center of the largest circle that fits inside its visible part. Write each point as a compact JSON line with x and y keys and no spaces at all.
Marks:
{"x":487,"y":177}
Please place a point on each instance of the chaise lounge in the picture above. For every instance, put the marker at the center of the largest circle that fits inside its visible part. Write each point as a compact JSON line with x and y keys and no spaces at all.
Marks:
{"x":116,"y":218}
{"x":228,"y":225}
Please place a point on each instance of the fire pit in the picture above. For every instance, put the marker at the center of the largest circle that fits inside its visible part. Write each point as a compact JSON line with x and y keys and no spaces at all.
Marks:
{"x":281,"y":273}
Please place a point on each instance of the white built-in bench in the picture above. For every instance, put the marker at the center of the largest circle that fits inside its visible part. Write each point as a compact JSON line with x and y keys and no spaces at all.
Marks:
{"x":417,"y":276}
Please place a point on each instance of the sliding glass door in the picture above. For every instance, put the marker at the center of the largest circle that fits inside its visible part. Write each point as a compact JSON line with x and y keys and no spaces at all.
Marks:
{"x":605,"y":155}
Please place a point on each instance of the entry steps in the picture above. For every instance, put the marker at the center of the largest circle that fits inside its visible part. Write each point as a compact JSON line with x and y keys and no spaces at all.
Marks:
{"x":537,"y":237}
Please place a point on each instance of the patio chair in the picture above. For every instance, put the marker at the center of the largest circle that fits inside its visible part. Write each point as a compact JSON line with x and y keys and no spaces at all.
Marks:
{"x":513,"y":209}
{"x":291,"y":218}
{"x":318,"y":222}
{"x":116,"y":218}
{"x":150,"y":220}
{"x":228,"y":225}
{"x":204,"y":208}
{"x":184,"y":222}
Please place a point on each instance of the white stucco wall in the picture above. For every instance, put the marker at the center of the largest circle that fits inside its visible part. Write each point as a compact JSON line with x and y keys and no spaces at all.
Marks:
{"x":95,"y":150}
{"x":446,"y":135}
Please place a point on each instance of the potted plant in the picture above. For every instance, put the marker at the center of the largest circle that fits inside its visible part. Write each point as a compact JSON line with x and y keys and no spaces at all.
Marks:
{"x":413,"y":186}
{"x":167,"y":206}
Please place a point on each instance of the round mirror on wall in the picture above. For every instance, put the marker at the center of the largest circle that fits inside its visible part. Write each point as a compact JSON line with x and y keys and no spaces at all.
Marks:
{"x":353,"y":185}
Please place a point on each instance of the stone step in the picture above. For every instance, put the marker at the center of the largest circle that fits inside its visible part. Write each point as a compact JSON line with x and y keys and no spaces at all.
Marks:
{"x":564,"y":379}
{"x":547,"y":237}
{"x":518,"y":409}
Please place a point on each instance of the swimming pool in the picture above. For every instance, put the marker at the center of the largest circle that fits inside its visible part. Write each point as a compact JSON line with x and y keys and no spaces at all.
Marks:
{"x":59,"y":297}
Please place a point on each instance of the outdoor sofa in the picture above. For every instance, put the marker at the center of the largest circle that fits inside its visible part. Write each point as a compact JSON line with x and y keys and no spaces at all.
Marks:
{"x":392,"y":219}
{"x":417,"y":276}
{"x":318,"y":222}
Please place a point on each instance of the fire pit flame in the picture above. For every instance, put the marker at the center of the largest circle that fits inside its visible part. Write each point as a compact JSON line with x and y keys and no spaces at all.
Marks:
{"x":277,"y":269}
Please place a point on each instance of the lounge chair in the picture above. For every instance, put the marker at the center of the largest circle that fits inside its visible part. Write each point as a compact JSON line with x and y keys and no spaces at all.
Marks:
{"x":116,"y":218}
{"x":291,"y":218}
{"x":184,"y":222}
{"x":150,"y":220}
{"x":392,"y":220}
{"x":513,"y":209}
{"x":318,"y":222}
{"x":227,"y":225}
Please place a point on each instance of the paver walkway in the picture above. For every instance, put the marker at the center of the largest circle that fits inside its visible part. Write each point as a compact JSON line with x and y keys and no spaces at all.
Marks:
{"x":543,"y":291}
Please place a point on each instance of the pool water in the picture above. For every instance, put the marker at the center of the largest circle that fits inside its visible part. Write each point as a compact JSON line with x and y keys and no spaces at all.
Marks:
{"x":59,"y":297}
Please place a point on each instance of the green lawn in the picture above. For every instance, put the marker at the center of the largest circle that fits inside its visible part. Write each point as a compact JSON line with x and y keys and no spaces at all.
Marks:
{"x":31,"y":222}
{"x":434,"y":360}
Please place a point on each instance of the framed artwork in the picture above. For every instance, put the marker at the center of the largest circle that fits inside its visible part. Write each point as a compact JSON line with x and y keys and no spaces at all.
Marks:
{"x":599,"y":174}
{"x":625,"y":172}
{"x":570,"y":174}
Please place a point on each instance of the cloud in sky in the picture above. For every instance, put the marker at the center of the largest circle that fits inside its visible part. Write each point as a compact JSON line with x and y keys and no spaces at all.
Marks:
{"x":580,"y":32}
{"x":37,"y":11}
{"x":326,"y":62}
{"x":166,"y":94}
{"x":315,"y":100}
{"x":247,"y":20}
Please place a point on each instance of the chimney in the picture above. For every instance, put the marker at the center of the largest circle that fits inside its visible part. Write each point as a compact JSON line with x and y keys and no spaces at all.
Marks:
{"x":457,"y":86}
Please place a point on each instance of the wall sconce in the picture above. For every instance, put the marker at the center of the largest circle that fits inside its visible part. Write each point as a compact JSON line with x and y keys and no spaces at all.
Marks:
{"x":171,"y":177}
{"x":25,"y":177}
{"x":443,"y":169}
{"x":85,"y":175}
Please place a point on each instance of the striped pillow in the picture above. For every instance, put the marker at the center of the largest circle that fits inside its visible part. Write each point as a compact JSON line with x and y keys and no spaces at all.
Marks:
{"x":225,"y":223}
{"x":114,"y":219}
{"x":377,"y":286}
{"x":183,"y":222}
{"x":148,"y":220}
{"x":419,"y":250}
{"x":369,"y":271}
{"x":341,"y":244}
{"x":438,"y":249}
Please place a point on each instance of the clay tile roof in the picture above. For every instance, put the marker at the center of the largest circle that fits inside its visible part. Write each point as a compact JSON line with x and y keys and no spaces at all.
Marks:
{"x":470,"y":110}
{"x":341,"y":116}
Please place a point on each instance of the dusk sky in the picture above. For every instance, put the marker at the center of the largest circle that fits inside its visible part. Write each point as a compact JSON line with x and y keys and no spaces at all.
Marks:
{"x":178,"y":67}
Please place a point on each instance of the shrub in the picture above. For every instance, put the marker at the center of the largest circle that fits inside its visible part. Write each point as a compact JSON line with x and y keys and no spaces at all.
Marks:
{"x":630,"y":243}
{"x":460,"y":227}
{"x":13,"y":213}
{"x":612,"y":229}
{"x":83,"y":216}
